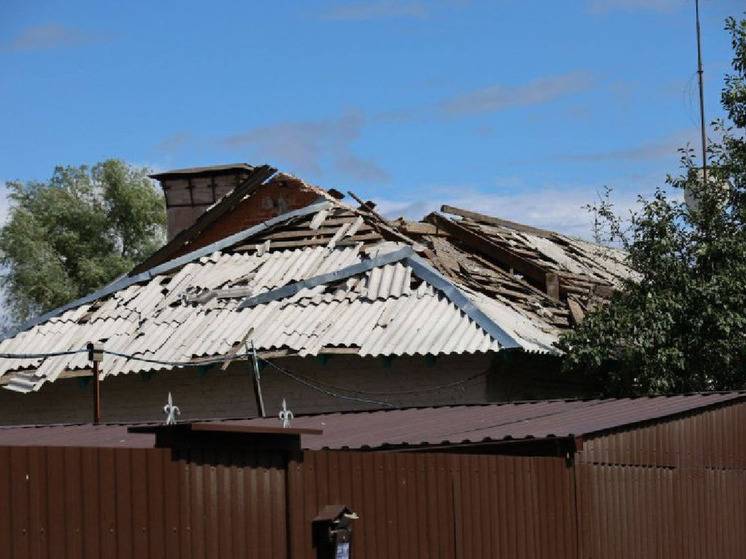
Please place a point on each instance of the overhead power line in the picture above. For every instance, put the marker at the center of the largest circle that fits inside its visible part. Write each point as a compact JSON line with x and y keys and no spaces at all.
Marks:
{"x":332,"y":390}
{"x":41,"y":355}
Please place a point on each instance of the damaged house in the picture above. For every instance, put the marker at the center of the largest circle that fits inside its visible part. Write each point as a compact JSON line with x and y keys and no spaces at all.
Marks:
{"x":329,"y":305}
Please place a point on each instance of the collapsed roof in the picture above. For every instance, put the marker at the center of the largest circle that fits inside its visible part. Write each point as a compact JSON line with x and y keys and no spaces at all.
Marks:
{"x":577,"y":273}
{"x":325,"y":278}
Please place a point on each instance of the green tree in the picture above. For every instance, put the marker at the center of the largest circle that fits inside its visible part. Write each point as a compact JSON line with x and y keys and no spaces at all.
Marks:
{"x":680,"y":326}
{"x":76,"y":232}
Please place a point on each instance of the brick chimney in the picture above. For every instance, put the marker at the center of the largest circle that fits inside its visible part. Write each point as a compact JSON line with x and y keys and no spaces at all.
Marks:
{"x":189,"y":192}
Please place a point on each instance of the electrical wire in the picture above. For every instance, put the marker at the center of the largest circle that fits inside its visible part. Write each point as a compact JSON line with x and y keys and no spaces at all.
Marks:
{"x":297,"y":378}
{"x":40,"y":355}
{"x":392,"y":392}
{"x":426,"y":389}
{"x":319,"y":386}
{"x":178,"y":364}
{"x":328,"y":388}
{"x":323,"y":390}
{"x":209,"y":361}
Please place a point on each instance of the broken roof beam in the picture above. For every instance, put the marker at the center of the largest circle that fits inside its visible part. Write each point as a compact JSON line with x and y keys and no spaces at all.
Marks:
{"x":489,"y":220}
{"x":388,"y":230}
{"x":365,"y":238}
{"x":548,"y":282}
{"x":419,"y":228}
{"x":366,"y":205}
{"x":302,"y":233}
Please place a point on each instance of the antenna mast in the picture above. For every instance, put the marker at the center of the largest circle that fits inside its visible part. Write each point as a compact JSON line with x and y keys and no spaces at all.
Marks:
{"x":701,"y":97}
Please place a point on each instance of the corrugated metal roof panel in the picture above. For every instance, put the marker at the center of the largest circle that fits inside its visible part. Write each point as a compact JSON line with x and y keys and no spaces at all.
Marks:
{"x":446,"y":425}
{"x":494,"y":422}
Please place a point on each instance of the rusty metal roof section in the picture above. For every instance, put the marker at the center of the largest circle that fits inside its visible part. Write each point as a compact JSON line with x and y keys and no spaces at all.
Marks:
{"x":420,"y":427}
{"x":87,"y":435}
{"x":493,"y":423}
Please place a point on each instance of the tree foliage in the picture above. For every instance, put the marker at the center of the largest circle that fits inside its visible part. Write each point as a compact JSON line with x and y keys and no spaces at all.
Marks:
{"x":681,"y":325}
{"x":76,"y":232}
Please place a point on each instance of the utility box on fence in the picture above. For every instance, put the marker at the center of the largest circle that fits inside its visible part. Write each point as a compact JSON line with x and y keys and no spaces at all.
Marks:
{"x":332,"y":532}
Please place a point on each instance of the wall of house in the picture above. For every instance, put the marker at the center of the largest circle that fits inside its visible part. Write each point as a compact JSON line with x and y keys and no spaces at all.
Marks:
{"x":210,"y":392}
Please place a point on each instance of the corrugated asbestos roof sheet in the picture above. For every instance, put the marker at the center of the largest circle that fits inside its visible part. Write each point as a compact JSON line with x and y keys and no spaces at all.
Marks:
{"x":189,"y":308}
{"x":422,"y":427}
{"x":193,"y":313}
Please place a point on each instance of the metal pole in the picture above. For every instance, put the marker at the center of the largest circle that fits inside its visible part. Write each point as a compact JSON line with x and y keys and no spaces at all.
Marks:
{"x":701,"y":97}
{"x":96,"y":395}
{"x":257,"y":383}
{"x":95,"y":355}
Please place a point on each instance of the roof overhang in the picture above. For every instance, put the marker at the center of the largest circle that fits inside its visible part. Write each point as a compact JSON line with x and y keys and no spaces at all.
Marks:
{"x":222,"y":435}
{"x":210,"y":171}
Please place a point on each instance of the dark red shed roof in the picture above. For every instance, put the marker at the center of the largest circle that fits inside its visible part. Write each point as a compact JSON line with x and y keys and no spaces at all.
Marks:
{"x":418,"y":427}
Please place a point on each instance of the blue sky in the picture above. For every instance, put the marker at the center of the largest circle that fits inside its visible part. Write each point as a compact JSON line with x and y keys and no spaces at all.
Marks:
{"x":519,"y":109}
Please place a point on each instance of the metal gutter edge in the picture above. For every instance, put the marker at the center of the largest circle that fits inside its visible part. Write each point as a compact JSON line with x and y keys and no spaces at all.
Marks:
{"x":127,"y":281}
{"x":566,"y":444}
{"x":437,"y":280}
{"x":343,"y":273}
{"x":734,"y":397}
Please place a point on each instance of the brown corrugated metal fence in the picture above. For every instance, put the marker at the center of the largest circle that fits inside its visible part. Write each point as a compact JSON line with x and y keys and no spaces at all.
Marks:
{"x":671,"y":489}
{"x":438,"y":505}
{"x":94,"y":502}
{"x":630,"y":511}
{"x":97,"y":502}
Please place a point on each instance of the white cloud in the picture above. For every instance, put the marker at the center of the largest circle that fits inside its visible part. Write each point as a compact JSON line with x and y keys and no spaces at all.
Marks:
{"x":4,"y":202}
{"x":48,"y":36}
{"x":311,"y":147}
{"x":556,"y":207}
{"x":662,"y":148}
{"x":499,"y":97}
{"x":174,"y":142}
